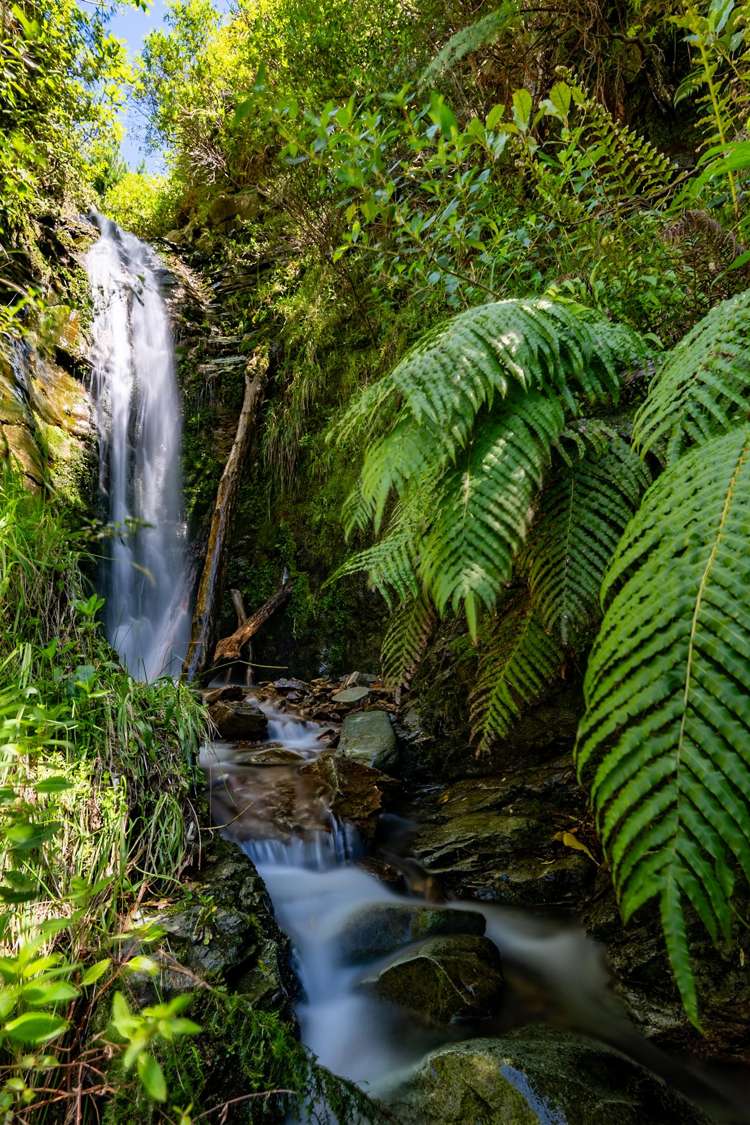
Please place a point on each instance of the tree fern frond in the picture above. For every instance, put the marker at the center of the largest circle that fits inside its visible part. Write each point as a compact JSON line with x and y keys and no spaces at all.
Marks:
{"x":405,"y":640}
{"x":482,"y":353}
{"x":583,"y":513}
{"x":516,"y":663}
{"x":704,"y":386}
{"x":477,"y":357}
{"x":664,"y":741}
{"x":484,"y":507}
{"x":469,"y":39}
{"x":409,"y":453}
{"x":391,"y":563}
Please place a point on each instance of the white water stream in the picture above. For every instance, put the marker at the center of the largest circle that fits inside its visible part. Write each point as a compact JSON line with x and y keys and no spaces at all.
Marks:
{"x":146,"y":579}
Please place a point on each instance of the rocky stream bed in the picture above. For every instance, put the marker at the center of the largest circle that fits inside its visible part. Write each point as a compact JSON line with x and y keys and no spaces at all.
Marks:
{"x":428,"y":937}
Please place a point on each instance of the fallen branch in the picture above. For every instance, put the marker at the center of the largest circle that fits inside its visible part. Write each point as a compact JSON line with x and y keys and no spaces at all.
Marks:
{"x":226,"y":495}
{"x":230,"y":647}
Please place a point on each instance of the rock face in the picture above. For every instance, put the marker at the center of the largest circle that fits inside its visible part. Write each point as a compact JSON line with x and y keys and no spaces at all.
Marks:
{"x":535,"y":1075}
{"x":368,"y":736}
{"x":237,"y":942}
{"x":238,"y":720}
{"x":444,"y":980}
{"x":381,"y":928}
{"x":494,"y":838}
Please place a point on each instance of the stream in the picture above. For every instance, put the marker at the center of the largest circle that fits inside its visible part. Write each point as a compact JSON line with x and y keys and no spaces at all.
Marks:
{"x":321,"y":893}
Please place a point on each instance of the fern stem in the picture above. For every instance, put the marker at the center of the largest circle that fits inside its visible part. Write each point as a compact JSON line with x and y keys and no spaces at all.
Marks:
{"x":716,"y":107}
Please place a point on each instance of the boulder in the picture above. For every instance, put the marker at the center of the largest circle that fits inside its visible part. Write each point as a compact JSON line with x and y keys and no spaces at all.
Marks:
{"x":368,"y":736}
{"x":355,"y":793}
{"x":444,"y":980}
{"x":350,"y":695}
{"x":237,"y":721}
{"x":533,"y":1075}
{"x":234,"y":692}
{"x":384,"y":927}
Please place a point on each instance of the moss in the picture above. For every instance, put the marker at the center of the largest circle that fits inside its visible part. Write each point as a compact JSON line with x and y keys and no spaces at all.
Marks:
{"x":246,"y":1060}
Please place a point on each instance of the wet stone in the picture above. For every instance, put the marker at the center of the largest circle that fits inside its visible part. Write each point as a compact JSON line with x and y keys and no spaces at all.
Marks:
{"x":535,"y":1075}
{"x":445,"y":980}
{"x":238,"y":720}
{"x":381,"y":928}
{"x":368,"y":737}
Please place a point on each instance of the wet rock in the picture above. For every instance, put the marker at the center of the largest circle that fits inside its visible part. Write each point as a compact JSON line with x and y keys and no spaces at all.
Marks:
{"x":500,"y":838}
{"x":226,"y":935}
{"x":269,"y":756}
{"x":533,"y":1075}
{"x":350,"y":695}
{"x":238,"y":720}
{"x":355,"y":793}
{"x":444,"y":980}
{"x":226,"y":692}
{"x":381,"y":928}
{"x":368,"y":737}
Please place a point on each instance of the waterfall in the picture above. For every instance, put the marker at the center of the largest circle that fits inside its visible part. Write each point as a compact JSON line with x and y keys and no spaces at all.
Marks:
{"x":145,"y":577}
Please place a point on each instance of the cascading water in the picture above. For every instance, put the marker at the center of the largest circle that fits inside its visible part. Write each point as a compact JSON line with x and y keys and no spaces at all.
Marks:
{"x":146,"y":578}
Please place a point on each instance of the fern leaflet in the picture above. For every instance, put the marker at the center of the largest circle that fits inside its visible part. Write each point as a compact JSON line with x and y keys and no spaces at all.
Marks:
{"x":405,"y":640}
{"x":470,"y":39}
{"x":583,"y":512}
{"x":484,"y":506}
{"x":516,"y":663}
{"x":664,"y":741}
{"x":704,"y":386}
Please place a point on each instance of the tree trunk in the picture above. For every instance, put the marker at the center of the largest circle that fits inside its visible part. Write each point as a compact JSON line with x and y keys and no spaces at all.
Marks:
{"x":230,"y":647}
{"x":226,"y":495}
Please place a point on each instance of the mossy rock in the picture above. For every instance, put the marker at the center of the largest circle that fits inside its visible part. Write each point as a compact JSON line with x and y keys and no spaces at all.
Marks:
{"x":444,"y":980}
{"x":384,"y":927}
{"x":535,"y":1075}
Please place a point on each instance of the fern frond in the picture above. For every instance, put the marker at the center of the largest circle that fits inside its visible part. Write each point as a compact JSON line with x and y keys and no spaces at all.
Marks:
{"x":484,"y":506}
{"x":664,"y":741}
{"x":469,"y":39}
{"x":704,"y":386}
{"x":405,"y":640}
{"x":516,"y":663}
{"x":392,"y":562}
{"x":477,"y":357}
{"x":582,"y":515}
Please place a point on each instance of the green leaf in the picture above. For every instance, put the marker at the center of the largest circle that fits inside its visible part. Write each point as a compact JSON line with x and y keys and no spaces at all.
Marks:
{"x":141,"y":964}
{"x":56,"y":784}
{"x":43,"y":992}
{"x":35,"y":1027}
{"x":95,"y":972}
{"x":150,"y":1074}
{"x":522,"y":105}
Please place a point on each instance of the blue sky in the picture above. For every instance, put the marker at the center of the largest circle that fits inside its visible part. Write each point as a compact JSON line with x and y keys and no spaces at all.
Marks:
{"x":133,"y":25}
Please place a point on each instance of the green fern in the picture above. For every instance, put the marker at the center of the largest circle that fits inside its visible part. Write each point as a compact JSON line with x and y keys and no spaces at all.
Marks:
{"x":704,"y":386}
{"x":406,"y":640}
{"x":484,"y":506}
{"x":470,"y":39}
{"x":471,"y":415}
{"x":391,"y":563}
{"x":517,"y":661}
{"x":630,"y":165}
{"x":664,"y":741}
{"x":582,"y":515}
{"x":463,"y":366}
